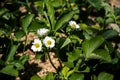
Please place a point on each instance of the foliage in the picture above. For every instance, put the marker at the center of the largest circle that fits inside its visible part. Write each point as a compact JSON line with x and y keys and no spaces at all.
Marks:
{"x":88,"y":53}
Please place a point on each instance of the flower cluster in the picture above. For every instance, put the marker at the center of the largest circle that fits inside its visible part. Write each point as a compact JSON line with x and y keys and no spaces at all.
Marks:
{"x":73,"y":24}
{"x":42,"y":32}
{"x":49,"y":42}
{"x":37,"y":45}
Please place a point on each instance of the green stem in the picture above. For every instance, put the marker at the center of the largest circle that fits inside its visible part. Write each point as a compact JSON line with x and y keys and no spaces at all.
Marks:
{"x":25,"y":43}
{"x":47,"y":18}
{"x":60,"y":62}
{"x":51,"y":62}
{"x":28,"y":5}
{"x":59,"y":59}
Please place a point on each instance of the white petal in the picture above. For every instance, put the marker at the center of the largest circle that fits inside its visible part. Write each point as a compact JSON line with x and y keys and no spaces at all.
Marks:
{"x":42,"y":31}
{"x":49,"y":39}
{"x":77,"y":26}
{"x":72,"y":22}
{"x":39,"y":49}
{"x":36,"y":40}
{"x":34,"y":48}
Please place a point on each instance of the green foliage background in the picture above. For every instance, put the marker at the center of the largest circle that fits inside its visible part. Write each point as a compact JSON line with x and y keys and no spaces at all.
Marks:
{"x":88,"y":53}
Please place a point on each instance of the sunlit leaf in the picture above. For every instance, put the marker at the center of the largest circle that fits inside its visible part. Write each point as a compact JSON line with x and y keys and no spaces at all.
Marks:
{"x":105,"y":76}
{"x":48,"y":77}
{"x":74,"y":37}
{"x":77,"y":76}
{"x":3,"y":11}
{"x":65,"y":71}
{"x":12,"y":52}
{"x":34,"y":26}
{"x":9,"y":69}
{"x":83,"y":26}
{"x":69,"y":73}
{"x":62,"y":20}
{"x":67,"y":41}
{"x":90,"y":45}
{"x":69,"y":64}
{"x":72,"y":56}
{"x":109,"y":20}
{"x":23,"y":58}
{"x":57,"y":3}
{"x":96,"y":3}
{"x":51,"y":14}
{"x":100,"y":54}
{"x":26,"y":21}
{"x":38,"y":56}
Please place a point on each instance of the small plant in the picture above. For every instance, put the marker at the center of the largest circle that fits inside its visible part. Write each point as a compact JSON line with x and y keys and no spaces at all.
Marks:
{"x":83,"y":35}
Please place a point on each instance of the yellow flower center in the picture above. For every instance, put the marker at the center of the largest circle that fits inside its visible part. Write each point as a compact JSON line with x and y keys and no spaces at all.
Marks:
{"x":49,"y":42}
{"x":73,"y":25}
{"x":37,"y":45}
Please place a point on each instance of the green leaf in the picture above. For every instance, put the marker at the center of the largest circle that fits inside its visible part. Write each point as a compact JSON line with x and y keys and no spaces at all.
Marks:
{"x":35,"y":77}
{"x":19,"y":66}
{"x":83,"y":26}
{"x":102,"y":54}
{"x":76,"y":76}
{"x":69,"y":64}
{"x":88,"y":34}
{"x":19,"y":34}
{"x":67,"y":41}
{"x":87,"y":69}
{"x":2,"y":32}
{"x":23,"y":58}
{"x":110,"y":34}
{"x":74,"y":37}
{"x":3,"y":11}
{"x":38,"y":56}
{"x":49,"y":77}
{"x":57,"y":3}
{"x":109,"y":47}
{"x":69,"y":73}
{"x":12,"y":52}
{"x":9,"y":69}
{"x":72,"y":56}
{"x":35,"y":25}
{"x":92,"y":44}
{"x":64,"y":71}
{"x":51,"y":13}
{"x":96,"y":3}
{"x":39,"y":4}
{"x":62,"y":20}
{"x":26,"y":21}
{"x":94,"y":77}
{"x":100,"y":19}
{"x":72,"y":1}
{"x":109,"y":20}
{"x":105,"y":76}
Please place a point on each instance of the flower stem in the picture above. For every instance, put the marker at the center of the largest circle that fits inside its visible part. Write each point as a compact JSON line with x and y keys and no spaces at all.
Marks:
{"x":25,"y":43}
{"x":59,"y":59}
{"x":51,"y":62}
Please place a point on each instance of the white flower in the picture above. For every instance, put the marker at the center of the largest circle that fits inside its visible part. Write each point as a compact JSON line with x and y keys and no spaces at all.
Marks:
{"x":37,"y":45}
{"x":73,"y":24}
{"x":49,"y":42}
{"x":42,"y":31}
